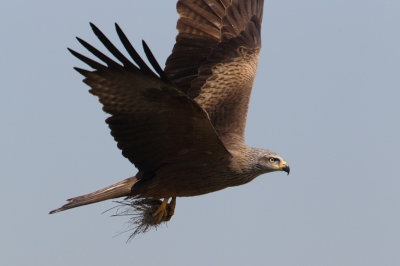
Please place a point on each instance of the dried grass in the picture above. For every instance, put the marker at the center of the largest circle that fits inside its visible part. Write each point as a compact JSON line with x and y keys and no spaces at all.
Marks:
{"x":140,"y":213}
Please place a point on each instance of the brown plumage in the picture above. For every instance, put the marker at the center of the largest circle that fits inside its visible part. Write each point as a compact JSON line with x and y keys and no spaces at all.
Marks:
{"x":183,"y":128}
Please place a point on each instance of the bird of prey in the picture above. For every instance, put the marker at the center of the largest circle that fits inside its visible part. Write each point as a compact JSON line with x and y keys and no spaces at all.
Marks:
{"x":182,"y":127}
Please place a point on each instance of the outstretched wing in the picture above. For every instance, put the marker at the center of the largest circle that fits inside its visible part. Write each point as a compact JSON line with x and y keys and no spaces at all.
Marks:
{"x":215,"y":58}
{"x":153,"y":122}
{"x":199,"y":28}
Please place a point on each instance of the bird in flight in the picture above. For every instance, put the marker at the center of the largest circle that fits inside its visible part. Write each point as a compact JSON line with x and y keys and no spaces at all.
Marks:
{"x":182,"y":127}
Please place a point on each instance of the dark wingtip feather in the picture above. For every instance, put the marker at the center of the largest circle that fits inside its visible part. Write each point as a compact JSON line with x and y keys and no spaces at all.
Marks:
{"x":111,"y":63}
{"x":92,"y":25}
{"x":83,"y":72}
{"x":113,"y":50}
{"x":154,"y":62}
{"x":132,"y":52}
{"x":86,"y":60}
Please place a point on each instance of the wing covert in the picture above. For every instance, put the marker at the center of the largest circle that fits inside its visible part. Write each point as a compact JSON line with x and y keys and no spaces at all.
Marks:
{"x":215,"y":58}
{"x":225,"y":80}
{"x":153,"y":122}
{"x":199,"y":26}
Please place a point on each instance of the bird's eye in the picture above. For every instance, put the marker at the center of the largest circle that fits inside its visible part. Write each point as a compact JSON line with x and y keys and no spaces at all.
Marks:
{"x":271,"y":160}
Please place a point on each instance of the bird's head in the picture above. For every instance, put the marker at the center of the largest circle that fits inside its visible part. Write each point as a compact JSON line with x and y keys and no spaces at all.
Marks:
{"x":269,"y":161}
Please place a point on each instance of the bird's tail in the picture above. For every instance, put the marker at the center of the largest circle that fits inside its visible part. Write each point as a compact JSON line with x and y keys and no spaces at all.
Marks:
{"x":120,"y":189}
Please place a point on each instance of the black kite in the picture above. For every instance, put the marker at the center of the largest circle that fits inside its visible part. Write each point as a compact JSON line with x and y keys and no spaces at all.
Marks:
{"x":183,"y":128}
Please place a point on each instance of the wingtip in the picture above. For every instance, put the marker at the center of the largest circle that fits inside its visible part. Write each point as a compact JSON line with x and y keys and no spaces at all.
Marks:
{"x":76,"y":54}
{"x":80,"y":40}
{"x":94,"y":28}
{"x":118,"y":29}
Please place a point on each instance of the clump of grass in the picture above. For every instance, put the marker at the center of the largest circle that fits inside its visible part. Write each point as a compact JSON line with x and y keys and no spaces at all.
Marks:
{"x":140,"y":212}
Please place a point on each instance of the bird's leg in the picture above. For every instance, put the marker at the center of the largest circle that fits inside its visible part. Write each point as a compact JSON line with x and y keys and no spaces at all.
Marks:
{"x":161,"y":211}
{"x":165,"y":210}
{"x":171,"y":208}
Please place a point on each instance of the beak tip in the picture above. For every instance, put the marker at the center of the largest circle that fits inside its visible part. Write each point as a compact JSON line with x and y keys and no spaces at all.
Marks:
{"x":286,"y":168}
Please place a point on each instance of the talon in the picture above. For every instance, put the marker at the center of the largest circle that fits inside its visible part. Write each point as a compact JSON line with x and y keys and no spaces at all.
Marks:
{"x":171,"y":209}
{"x":165,"y":211}
{"x":161,"y":211}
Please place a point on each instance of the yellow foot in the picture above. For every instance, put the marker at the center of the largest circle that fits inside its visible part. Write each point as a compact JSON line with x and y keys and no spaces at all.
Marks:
{"x":171,"y":209}
{"x":165,"y":210}
{"x":161,"y":211}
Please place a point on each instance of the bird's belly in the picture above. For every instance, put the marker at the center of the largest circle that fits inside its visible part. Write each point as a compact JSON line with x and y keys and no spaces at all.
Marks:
{"x":191,"y":183}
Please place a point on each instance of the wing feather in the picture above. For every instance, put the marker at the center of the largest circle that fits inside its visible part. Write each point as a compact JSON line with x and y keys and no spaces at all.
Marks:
{"x":215,"y":58}
{"x":199,"y":27}
{"x":225,"y":80}
{"x":153,"y":122}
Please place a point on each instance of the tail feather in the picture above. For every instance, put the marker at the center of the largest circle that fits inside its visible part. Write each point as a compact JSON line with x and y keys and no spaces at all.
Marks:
{"x":117,"y":190}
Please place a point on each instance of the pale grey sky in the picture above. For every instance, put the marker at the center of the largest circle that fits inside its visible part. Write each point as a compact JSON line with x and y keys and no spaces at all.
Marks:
{"x":326,"y":98}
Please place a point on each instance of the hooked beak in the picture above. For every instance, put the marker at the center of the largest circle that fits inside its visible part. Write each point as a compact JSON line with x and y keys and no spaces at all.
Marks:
{"x":286,"y":168}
